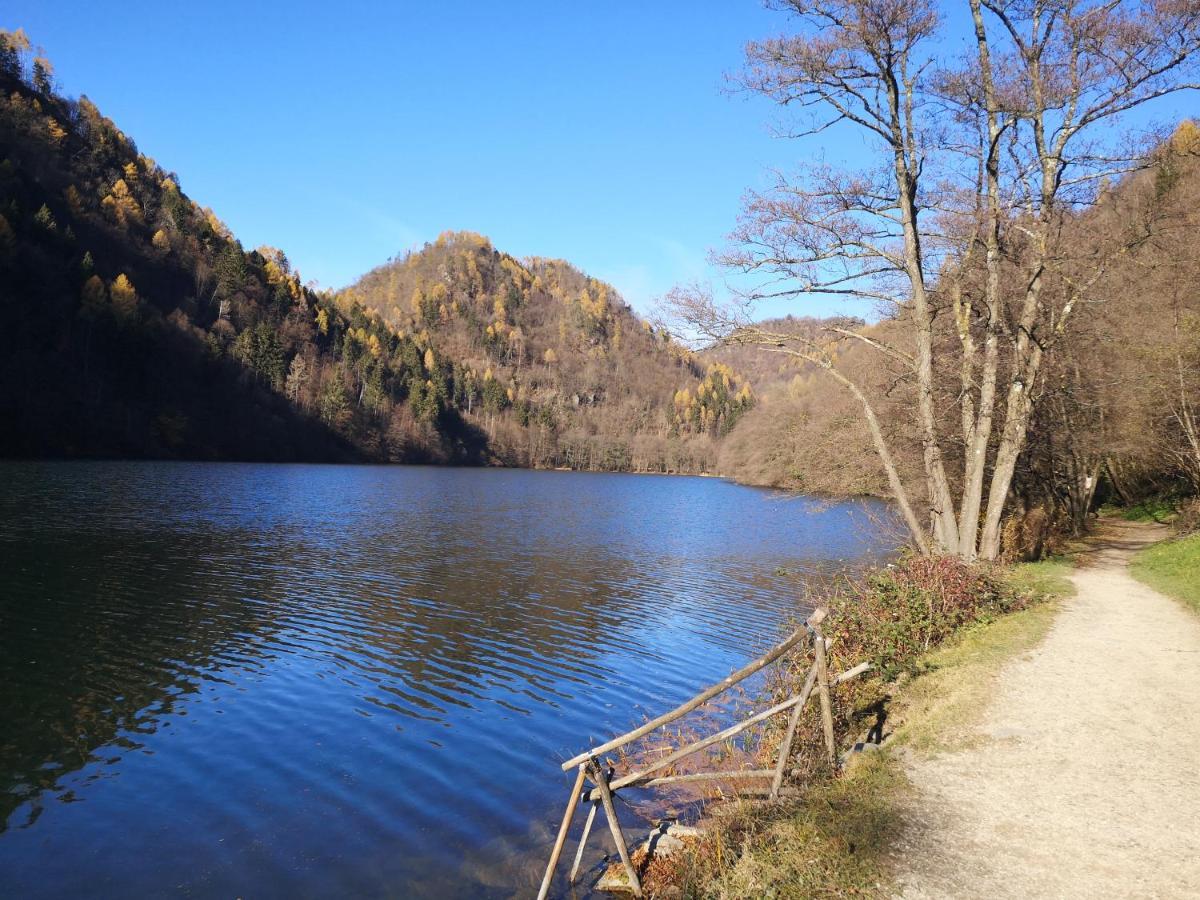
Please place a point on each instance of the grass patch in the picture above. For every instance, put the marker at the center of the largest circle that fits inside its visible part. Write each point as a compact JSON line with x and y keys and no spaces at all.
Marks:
{"x":1153,"y":509}
{"x":1049,"y":579}
{"x":1172,"y":567}
{"x":937,"y":710}
{"x":833,"y":843}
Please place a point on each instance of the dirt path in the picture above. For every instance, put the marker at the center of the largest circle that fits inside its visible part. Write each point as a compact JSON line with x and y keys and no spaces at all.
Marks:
{"x":1087,"y":781}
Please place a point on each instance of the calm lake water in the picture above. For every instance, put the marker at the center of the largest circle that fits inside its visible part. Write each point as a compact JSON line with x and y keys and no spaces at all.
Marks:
{"x":227,"y":680}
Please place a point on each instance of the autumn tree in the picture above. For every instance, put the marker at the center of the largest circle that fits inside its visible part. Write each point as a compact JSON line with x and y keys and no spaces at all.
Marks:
{"x":43,"y":74}
{"x":124,"y":298}
{"x":973,"y":165}
{"x":13,"y":45}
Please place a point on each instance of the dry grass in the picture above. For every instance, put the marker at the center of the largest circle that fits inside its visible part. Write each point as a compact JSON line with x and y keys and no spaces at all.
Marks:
{"x":833,"y":843}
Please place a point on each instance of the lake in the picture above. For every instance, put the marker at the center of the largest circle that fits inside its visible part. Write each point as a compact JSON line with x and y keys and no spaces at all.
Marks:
{"x":228,"y":680}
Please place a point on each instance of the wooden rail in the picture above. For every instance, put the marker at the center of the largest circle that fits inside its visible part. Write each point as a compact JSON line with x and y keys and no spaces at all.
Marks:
{"x":605,"y":786}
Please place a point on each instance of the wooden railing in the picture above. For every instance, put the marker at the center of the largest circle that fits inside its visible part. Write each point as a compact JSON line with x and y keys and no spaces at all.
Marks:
{"x":604,"y":787}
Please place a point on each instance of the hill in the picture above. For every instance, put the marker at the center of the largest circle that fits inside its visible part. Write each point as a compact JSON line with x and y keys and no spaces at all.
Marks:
{"x":137,"y":325}
{"x":551,"y":364}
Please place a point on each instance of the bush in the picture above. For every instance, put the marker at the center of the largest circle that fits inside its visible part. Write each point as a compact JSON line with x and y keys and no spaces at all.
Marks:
{"x":1188,"y":519}
{"x":893,"y":615}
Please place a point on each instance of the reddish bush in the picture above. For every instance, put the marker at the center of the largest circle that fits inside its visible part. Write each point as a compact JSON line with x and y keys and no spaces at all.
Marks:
{"x":893,"y":615}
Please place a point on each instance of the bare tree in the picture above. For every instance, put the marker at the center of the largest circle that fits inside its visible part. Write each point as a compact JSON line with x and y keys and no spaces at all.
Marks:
{"x":977,"y":163}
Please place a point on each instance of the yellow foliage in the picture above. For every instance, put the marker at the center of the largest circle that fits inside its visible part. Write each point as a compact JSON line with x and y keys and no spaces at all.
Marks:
{"x":512,"y":396}
{"x":487,"y":375}
{"x":322,"y":321}
{"x":120,"y":204}
{"x":124,"y":297}
{"x":1186,"y":138}
{"x":56,"y":131}
{"x":161,"y":241}
{"x":519,"y":274}
{"x":550,"y":357}
{"x":415,"y":302}
{"x":430,"y":362}
{"x":215,"y":224}
{"x":18,"y":40}
{"x":500,"y":310}
{"x":131,"y":171}
{"x":374,"y":347}
{"x":466,"y":238}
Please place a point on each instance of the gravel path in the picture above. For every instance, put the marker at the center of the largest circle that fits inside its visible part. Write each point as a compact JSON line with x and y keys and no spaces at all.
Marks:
{"x":1088,"y":781}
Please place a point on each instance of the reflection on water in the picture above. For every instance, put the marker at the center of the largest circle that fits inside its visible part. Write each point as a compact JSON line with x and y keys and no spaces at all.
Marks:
{"x":280,"y":680}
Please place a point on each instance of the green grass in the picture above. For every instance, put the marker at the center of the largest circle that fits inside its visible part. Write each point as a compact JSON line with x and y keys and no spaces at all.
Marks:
{"x":1049,"y":579}
{"x":940,"y":707}
{"x":1154,"y":509}
{"x":1172,"y":567}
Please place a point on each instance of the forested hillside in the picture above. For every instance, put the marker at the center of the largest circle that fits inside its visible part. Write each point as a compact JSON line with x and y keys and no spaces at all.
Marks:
{"x":552,"y":365}
{"x":136,"y":324}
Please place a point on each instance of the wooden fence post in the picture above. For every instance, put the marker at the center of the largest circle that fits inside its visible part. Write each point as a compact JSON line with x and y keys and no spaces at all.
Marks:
{"x":822,"y":667}
{"x":601,"y":778}
{"x":785,"y":749}
{"x":572,"y":802}
{"x":587,"y":830}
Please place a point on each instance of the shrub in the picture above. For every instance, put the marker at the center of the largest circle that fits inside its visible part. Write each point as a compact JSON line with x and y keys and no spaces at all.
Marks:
{"x":1188,"y":520}
{"x":893,"y":615}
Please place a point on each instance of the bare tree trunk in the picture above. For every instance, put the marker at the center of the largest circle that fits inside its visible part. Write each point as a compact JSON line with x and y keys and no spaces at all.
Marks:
{"x":976,"y":444}
{"x":1012,"y":442}
{"x":945,"y":532}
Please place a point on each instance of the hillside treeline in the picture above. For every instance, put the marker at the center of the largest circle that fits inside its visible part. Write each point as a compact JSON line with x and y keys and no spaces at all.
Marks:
{"x":137,"y":325}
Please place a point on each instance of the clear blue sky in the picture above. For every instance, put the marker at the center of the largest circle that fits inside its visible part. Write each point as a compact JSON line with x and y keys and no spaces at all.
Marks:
{"x":346,"y":133}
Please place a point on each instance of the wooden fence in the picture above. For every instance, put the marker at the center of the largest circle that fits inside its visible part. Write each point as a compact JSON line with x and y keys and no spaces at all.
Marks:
{"x":588,"y":767}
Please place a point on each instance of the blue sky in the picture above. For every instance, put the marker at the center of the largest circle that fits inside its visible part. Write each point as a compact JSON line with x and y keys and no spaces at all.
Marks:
{"x":599,"y":133}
